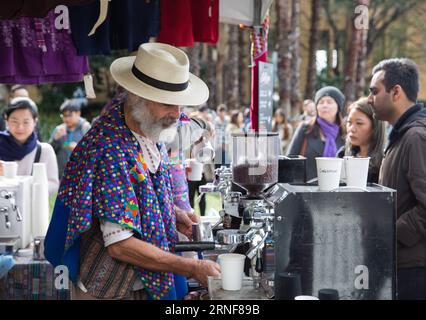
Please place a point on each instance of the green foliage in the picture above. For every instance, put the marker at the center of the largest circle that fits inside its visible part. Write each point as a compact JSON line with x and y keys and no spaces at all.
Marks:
{"x":47,"y":123}
{"x":54,"y":94}
{"x":323,"y":80}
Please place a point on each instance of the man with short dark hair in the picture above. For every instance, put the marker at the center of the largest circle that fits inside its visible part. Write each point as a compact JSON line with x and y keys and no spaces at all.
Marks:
{"x":66,"y":136}
{"x":393,"y":95}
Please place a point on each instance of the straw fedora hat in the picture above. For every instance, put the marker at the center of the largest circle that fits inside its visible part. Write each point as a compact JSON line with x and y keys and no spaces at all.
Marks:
{"x":160,"y":72}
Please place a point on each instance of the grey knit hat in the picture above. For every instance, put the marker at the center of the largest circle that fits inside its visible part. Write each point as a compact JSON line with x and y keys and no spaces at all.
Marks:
{"x":333,"y":92}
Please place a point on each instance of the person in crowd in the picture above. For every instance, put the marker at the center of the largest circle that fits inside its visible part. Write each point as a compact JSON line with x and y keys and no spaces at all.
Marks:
{"x":20,"y":142}
{"x":247,"y":120}
{"x":365,"y":137}
{"x":16,"y":90}
{"x":204,"y":119}
{"x":324,"y":135}
{"x":393,"y":97}
{"x":309,"y":111}
{"x":222,"y":119}
{"x":220,"y":123}
{"x":284,"y":129}
{"x":236,"y":123}
{"x":19,"y":90}
{"x":114,"y":216}
{"x":204,"y":113}
{"x":66,"y":136}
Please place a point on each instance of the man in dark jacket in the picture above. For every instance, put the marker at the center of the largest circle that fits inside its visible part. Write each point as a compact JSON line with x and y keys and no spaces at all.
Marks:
{"x":66,"y":136}
{"x":393,"y":94}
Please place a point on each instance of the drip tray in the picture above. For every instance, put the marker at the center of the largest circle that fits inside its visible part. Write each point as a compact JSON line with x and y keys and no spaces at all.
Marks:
{"x":9,"y":245}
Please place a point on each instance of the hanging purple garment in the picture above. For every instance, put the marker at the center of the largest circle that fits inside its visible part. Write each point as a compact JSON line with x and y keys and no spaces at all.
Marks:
{"x":34,"y":51}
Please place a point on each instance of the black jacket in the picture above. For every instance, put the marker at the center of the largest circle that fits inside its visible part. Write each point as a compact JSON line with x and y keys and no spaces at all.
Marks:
{"x":404,"y":169}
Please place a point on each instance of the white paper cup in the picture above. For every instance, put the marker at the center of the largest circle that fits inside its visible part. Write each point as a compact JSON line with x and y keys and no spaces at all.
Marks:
{"x":305,"y":298}
{"x":10,"y":169}
{"x":196,"y":172}
{"x":328,"y":170}
{"x":232,"y":270}
{"x":357,"y":172}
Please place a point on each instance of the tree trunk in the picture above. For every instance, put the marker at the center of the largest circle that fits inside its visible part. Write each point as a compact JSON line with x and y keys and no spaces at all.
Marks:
{"x":355,"y":63}
{"x":313,"y":45}
{"x":243,"y":67}
{"x":232,"y":76}
{"x":211,"y":75}
{"x":283,"y":9}
{"x":362,"y":65}
{"x":194,"y":55}
{"x":389,"y":12}
{"x":362,"y":62}
{"x":296,"y":96}
{"x":351,"y":66}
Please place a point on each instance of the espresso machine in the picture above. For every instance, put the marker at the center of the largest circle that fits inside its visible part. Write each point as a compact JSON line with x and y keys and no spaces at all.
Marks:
{"x":247,"y":215}
{"x":15,"y":213}
{"x":342,"y":240}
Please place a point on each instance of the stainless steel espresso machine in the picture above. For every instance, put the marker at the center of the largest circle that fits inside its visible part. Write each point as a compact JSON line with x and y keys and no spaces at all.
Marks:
{"x":342,"y":240}
{"x":247,"y":216}
{"x":15,"y":213}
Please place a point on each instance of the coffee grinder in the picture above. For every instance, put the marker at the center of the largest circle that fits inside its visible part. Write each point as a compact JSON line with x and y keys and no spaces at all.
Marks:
{"x":250,"y":213}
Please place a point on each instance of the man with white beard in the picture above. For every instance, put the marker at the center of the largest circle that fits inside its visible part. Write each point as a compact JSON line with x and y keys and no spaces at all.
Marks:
{"x":115,"y":225}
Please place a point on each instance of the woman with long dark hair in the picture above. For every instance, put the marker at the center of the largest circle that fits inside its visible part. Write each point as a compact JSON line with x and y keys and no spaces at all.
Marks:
{"x":366,"y":137}
{"x":284,"y":129}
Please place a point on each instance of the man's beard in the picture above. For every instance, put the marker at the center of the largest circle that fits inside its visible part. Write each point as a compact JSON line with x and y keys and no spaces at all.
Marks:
{"x":163,"y":130}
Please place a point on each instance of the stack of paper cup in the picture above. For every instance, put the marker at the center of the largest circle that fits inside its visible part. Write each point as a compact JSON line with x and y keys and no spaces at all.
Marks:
{"x":40,"y":200}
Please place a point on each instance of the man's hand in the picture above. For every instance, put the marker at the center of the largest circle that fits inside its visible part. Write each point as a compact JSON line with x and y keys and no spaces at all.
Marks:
{"x":204,"y":269}
{"x":62,"y":130}
{"x":184,"y":221}
{"x":187,"y":170}
{"x":1,"y":168}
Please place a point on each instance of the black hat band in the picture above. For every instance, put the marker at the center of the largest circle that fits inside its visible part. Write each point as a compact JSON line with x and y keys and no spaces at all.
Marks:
{"x":157,"y":83}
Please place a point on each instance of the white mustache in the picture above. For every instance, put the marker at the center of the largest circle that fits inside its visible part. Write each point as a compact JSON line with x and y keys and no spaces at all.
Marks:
{"x":168,"y":122}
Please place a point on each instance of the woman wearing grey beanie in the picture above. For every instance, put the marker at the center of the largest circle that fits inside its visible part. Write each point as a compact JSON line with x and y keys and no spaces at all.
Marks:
{"x":325,"y":134}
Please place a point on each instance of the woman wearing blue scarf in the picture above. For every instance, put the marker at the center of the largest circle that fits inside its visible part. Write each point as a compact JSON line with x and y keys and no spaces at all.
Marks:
{"x":20,"y":142}
{"x":325,"y":134}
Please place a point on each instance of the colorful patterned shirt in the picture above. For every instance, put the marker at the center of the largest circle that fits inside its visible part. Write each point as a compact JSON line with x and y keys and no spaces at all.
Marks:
{"x":107,"y":178}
